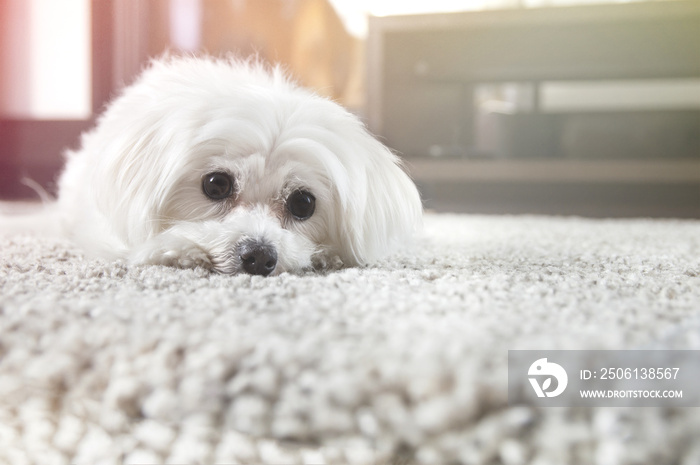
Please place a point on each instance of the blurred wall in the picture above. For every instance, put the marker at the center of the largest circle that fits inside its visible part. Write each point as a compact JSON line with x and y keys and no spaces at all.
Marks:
{"x":306,"y":36}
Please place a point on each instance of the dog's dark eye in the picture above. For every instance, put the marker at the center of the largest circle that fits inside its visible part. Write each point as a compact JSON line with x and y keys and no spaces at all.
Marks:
{"x":301,"y":204}
{"x":217,"y":186}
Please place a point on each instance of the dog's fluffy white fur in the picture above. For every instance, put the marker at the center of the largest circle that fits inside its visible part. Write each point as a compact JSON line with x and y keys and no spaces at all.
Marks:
{"x":134,"y":189}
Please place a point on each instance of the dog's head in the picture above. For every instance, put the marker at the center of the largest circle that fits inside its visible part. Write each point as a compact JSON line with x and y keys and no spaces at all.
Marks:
{"x":259,"y":174}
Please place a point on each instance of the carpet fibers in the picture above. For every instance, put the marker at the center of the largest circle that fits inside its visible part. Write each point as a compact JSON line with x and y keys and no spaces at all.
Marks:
{"x":403,"y":362}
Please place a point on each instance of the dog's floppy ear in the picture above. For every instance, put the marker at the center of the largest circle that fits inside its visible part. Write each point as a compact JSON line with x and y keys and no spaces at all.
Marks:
{"x":384,"y":208}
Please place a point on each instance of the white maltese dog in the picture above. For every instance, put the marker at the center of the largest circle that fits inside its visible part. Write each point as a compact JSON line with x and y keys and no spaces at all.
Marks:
{"x":228,"y":165}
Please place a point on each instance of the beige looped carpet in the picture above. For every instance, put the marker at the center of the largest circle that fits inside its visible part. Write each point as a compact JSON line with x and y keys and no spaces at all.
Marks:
{"x":403,"y":362}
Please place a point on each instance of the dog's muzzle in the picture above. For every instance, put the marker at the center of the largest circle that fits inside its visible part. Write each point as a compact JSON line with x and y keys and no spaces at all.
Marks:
{"x":257,"y":257}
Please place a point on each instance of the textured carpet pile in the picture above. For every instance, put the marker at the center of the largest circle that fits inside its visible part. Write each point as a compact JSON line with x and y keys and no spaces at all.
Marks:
{"x":402,"y":362}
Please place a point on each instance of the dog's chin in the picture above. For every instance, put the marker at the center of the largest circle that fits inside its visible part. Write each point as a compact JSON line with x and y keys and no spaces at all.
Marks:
{"x":263,"y":256}
{"x":251,"y":242}
{"x":228,"y":257}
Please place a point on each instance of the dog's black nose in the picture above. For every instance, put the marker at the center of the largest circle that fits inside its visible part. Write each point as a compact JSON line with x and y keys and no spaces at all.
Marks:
{"x":257,"y":257}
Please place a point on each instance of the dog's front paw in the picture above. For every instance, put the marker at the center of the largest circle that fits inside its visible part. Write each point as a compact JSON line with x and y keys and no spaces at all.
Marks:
{"x":191,"y":258}
{"x":323,"y":262}
{"x":184,"y":256}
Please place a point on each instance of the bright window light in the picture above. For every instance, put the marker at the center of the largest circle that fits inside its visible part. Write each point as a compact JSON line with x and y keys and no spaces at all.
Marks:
{"x":46,"y":61}
{"x":186,"y":24}
{"x":354,"y":13}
